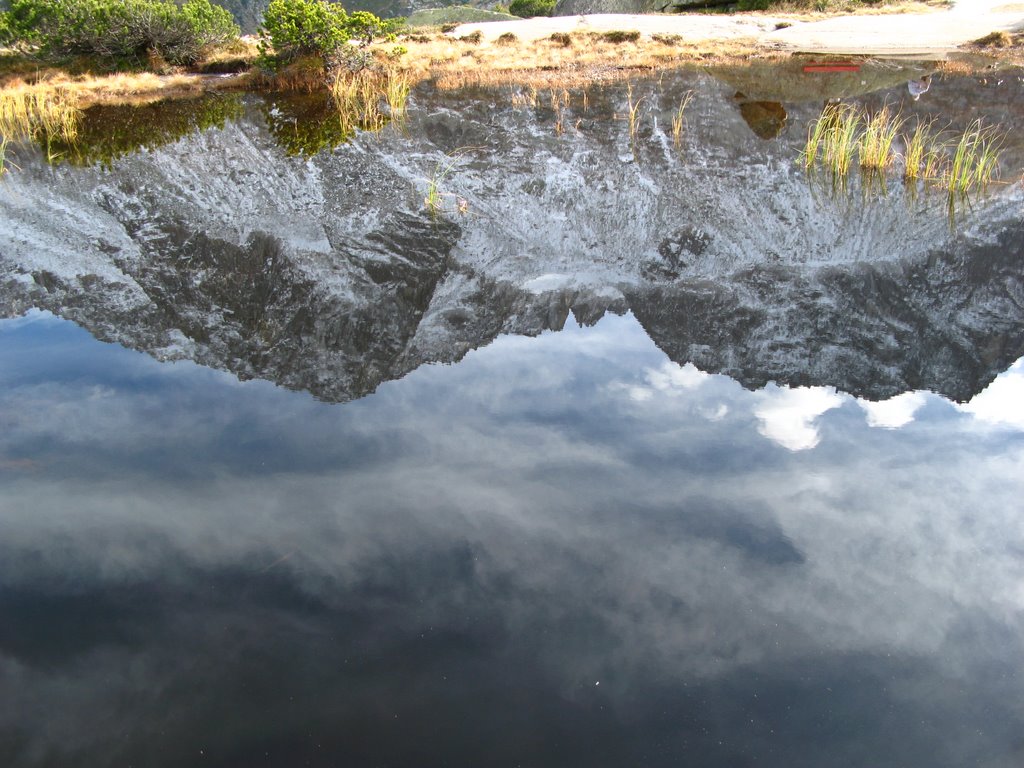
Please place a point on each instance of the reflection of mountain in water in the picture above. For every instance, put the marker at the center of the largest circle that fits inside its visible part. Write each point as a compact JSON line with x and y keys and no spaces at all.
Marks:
{"x":322,"y":273}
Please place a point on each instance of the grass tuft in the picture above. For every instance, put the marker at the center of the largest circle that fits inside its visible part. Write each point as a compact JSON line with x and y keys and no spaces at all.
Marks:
{"x":434,"y":199}
{"x":47,"y":115}
{"x":396,"y":92}
{"x":920,"y":158}
{"x":679,"y":118}
{"x":975,"y":159}
{"x":621,"y":36}
{"x":667,"y":39}
{"x":874,"y":147}
{"x":995,"y":40}
{"x":358,"y":97}
{"x":957,"y":164}
{"x":832,"y":139}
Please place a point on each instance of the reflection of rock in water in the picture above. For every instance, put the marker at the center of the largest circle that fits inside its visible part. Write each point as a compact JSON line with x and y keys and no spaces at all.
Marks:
{"x":789,"y":82}
{"x":318,"y":272}
{"x":947,"y":323}
{"x":765,"y":118}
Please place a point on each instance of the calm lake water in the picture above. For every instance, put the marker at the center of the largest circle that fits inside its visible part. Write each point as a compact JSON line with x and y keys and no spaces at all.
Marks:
{"x":636,"y":452}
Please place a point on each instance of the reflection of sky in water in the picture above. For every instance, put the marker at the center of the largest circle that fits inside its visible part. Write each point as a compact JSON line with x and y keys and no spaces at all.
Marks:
{"x":447,"y":568}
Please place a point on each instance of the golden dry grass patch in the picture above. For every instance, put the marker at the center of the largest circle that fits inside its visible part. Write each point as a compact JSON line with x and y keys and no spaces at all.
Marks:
{"x":122,"y":88}
{"x":567,"y":61}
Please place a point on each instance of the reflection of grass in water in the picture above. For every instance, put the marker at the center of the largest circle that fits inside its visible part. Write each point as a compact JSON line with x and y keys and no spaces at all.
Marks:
{"x":109,"y":132}
{"x":559,"y":103}
{"x":526,"y":97}
{"x":634,"y":111}
{"x":49,"y":116}
{"x":956,"y":164}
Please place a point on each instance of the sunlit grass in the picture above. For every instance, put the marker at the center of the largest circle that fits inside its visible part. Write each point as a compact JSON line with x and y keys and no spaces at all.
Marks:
{"x":679,"y":118}
{"x":435,"y":197}
{"x":357,"y":101}
{"x":975,"y":159}
{"x":559,"y":61}
{"x":359,"y":97}
{"x":875,"y":144}
{"x":920,"y":158}
{"x":396,"y":92}
{"x":957,"y":164}
{"x":833,"y":138}
{"x":29,"y":113}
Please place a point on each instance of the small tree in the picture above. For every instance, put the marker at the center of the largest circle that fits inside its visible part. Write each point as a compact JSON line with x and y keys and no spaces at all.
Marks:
{"x":303,"y":28}
{"x":293,"y":28}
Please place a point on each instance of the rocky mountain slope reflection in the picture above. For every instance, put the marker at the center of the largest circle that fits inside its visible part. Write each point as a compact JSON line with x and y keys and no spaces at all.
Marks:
{"x":322,"y":272}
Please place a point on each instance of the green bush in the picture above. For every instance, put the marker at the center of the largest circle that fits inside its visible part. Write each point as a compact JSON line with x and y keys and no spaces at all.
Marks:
{"x":6,"y":33}
{"x":121,"y":28}
{"x":530,"y":8}
{"x":294,"y":28}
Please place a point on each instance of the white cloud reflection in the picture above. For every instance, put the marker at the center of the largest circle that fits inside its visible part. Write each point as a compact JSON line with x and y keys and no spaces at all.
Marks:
{"x":895,"y":412}
{"x":670,"y":377}
{"x":1001,"y":402}
{"x":787,"y":415}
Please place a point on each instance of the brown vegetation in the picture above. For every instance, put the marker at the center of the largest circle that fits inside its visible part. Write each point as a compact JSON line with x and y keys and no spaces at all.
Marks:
{"x":561,"y":60}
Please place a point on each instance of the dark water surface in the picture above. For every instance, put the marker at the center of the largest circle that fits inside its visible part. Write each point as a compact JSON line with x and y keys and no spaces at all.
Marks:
{"x":654,"y":455}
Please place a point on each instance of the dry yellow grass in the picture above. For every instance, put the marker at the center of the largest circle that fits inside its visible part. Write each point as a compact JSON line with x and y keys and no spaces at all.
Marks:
{"x":122,"y":88}
{"x":28,"y":112}
{"x":1008,"y":48}
{"x":546,"y":64}
{"x":797,"y":10}
{"x":359,"y":96}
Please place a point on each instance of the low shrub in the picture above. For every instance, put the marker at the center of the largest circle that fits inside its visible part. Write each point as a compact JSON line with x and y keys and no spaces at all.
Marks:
{"x":667,"y":39}
{"x":136,"y":29}
{"x":530,"y":8}
{"x":563,"y":39}
{"x":620,"y":36}
{"x":507,"y":38}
